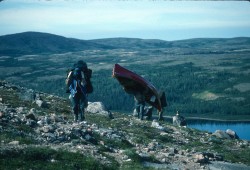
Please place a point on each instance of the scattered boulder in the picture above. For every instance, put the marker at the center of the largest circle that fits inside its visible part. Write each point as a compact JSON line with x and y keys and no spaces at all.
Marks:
{"x":48,"y":128}
{"x":98,"y":108}
{"x":221,"y":134}
{"x":232,"y":134}
{"x":14,"y":142}
{"x":20,"y":110}
{"x":30,"y":116}
{"x":228,"y":134}
{"x":41,"y":103}
{"x":206,"y":157}
{"x":201,"y":158}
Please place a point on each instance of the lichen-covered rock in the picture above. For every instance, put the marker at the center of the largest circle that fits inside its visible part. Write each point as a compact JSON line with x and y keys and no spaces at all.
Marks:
{"x":98,"y":108}
{"x":221,"y":134}
{"x":41,"y":103}
{"x":232,"y":134}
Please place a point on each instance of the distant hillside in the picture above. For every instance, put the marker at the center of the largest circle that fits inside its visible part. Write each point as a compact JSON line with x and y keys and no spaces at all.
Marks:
{"x":38,"y":43}
{"x":202,"y":77}
{"x":133,"y":43}
{"x":28,"y":43}
{"x":212,"y":42}
{"x":189,"y":43}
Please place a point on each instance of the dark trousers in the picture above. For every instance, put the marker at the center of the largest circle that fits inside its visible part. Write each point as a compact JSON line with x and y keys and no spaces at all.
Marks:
{"x":139,"y":106}
{"x":78,"y":105}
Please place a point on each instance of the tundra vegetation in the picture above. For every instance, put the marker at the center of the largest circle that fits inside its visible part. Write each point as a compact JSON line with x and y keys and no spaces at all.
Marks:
{"x":45,"y":137}
{"x":201,"y":77}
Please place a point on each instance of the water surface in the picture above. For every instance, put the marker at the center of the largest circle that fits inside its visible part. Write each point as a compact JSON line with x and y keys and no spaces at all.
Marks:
{"x":241,"y":128}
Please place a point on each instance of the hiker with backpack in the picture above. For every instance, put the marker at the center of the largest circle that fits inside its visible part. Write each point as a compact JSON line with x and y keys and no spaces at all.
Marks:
{"x":78,"y":84}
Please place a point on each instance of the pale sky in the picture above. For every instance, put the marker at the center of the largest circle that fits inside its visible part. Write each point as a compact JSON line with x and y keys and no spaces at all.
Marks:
{"x":147,"y":19}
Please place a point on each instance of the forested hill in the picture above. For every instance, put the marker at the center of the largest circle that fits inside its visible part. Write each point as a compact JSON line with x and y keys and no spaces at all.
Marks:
{"x":43,"y":43}
{"x":189,"y":43}
{"x":30,"y":43}
{"x":201,"y":77}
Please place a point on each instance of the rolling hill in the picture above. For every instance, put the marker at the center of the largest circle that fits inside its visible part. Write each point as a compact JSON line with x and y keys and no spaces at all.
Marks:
{"x":43,"y":43}
{"x":201,"y":77}
{"x":30,"y":43}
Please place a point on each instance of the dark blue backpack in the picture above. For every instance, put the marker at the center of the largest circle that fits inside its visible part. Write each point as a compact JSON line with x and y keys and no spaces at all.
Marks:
{"x":76,"y":73}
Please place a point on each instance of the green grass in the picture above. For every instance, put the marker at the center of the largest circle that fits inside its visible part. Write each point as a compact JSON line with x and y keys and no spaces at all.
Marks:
{"x":136,"y":161}
{"x":12,"y":136}
{"x":46,"y":158}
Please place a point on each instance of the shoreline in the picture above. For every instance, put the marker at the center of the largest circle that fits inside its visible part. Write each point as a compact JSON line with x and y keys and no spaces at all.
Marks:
{"x":155,"y":116}
{"x":211,"y":119}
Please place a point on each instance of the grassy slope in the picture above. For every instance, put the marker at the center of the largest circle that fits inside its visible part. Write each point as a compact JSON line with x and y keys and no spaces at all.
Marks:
{"x":36,"y":155}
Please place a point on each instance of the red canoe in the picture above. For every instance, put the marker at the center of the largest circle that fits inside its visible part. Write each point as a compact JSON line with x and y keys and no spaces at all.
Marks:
{"x":132,"y":82}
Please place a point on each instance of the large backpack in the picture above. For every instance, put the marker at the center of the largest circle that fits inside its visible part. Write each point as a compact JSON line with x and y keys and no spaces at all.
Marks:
{"x":87,"y":75}
{"x":77,"y":75}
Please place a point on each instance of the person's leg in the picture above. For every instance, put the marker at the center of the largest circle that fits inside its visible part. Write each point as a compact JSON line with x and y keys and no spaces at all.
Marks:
{"x":137,"y":108}
{"x":149,"y":113}
{"x":142,"y":105}
{"x":160,"y":116}
{"x":75,"y":106}
{"x":82,"y":106}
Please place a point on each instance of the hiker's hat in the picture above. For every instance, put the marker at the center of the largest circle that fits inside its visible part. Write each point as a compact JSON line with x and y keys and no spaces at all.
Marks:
{"x":81,"y":64}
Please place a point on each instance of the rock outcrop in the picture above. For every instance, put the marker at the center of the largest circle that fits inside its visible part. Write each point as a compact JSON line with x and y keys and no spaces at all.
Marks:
{"x":121,"y":141}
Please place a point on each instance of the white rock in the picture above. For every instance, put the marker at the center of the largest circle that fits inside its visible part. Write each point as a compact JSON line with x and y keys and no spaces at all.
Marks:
{"x":98,"y":108}
{"x":14,"y":143}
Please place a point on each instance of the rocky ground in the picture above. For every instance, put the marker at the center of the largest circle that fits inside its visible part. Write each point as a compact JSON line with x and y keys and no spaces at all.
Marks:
{"x":37,"y":131}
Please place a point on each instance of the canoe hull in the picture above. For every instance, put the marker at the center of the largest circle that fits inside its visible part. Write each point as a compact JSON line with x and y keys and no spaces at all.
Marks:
{"x":132,"y":82}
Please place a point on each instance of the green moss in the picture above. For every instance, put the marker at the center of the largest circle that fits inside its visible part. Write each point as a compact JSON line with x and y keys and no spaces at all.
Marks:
{"x":13,"y":136}
{"x":131,"y":153}
{"x":45,"y":158}
{"x":235,"y":156}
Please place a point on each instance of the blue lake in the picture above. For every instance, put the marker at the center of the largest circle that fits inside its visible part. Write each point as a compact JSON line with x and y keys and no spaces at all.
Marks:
{"x":241,"y":128}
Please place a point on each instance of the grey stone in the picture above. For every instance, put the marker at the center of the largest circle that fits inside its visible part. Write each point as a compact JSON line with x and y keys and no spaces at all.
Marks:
{"x":232,"y":134}
{"x":98,"y":108}
{"x":221,"y":134}
{"x":14,"y":143}
{"x":48,"y":128}
{"x":41,"y":103}
{"x":30,"y":116}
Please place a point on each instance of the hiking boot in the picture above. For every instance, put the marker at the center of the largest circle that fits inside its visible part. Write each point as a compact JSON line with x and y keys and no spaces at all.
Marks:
{"x":82,"y":118}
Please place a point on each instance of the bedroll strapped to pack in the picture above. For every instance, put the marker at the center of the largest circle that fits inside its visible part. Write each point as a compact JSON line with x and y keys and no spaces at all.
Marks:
{"x":68,"y":80}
